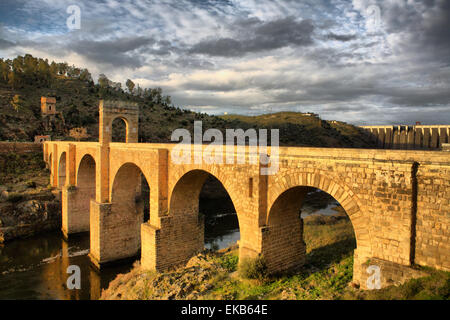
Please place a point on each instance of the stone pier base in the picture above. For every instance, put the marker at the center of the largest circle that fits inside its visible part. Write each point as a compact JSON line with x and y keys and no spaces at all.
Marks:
{"x":172,"y":244}
{"x":75,"y":212}
{"x":366,"y":273}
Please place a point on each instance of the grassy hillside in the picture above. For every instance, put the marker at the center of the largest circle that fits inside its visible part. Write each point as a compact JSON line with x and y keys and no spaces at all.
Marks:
{"x":77,"y":99}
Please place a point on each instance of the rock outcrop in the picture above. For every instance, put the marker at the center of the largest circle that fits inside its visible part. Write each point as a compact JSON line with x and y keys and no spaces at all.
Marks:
{"x":23,"y":216}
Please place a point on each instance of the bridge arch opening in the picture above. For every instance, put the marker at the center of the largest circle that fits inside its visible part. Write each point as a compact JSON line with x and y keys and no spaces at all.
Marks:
{"x":49,"y":163}
{"x":62,"y":170}
{"x":307,"y":225}
{"x":119,"y":130}
{"x":85,"y":192}
{"x":130,"y":206}
{"x":202,"y":196}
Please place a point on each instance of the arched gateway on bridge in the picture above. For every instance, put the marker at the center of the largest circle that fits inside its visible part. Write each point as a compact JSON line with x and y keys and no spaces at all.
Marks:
{"x":397,"y":200}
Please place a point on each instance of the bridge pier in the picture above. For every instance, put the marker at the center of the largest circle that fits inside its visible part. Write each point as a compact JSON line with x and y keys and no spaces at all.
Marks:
{"x":282,"y":238}
{"x":75,"y":209}
{"x":284,"y":249}
{"x":375,"y":273}
{"x":173,"y":243}
{"x":114,"y":233}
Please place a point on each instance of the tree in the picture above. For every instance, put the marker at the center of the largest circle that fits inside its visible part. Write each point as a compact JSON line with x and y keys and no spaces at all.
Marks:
{"x":139,"y":91}
{"x":62,"y":68}
{"x":85,"y":75}
{"x":167,"y":100}
{"x":79,"y":133}
{"x":103,"y":81}
{"x":130,"y":85}
{"x":16,"y":103}
{"x":44,"y":73}
{"x":4,"y":70}
{"x":54,"y":68}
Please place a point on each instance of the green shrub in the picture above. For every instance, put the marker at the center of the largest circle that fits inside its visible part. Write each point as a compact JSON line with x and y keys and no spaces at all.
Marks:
{"x":253,"y":268}
{"x":412,"y":288}
{"x":229,"y":262}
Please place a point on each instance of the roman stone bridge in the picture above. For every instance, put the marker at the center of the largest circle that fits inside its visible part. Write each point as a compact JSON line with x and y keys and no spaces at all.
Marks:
{"x":398,"y":201}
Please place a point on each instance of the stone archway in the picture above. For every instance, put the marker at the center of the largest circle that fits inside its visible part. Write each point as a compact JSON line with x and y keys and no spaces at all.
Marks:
{"x":86,"y":187}
{"x":119,"y":129}
{"x":76,"y":199}
{"x":283,"y":245}
{"x":117,"y":233}
{"x":128,"y":112}
{"x":62,"y":170}
{"x":180,"y":234}
{"x":186,"y":200}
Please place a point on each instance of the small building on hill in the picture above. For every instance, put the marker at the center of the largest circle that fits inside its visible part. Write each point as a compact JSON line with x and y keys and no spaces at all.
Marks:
{"x":48,"y":106}
{"x":41,"y":139}
{"x":52,"y":120}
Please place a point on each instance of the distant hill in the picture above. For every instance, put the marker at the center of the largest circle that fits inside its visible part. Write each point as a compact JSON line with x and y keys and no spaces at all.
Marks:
{"x":306,"y":129}
{"x":77,"y":97}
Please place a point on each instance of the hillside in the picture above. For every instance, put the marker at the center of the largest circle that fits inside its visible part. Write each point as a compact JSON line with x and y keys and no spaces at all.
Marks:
{"x":77,"y":97}
{"x":297,"y":129}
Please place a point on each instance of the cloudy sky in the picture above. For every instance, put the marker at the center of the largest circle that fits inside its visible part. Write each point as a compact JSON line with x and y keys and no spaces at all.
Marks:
{"x":360,"y":61}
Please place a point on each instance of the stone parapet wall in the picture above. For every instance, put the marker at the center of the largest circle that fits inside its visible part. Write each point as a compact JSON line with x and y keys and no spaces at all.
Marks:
{"x":19,"y":147}
{"x":428,"y":137}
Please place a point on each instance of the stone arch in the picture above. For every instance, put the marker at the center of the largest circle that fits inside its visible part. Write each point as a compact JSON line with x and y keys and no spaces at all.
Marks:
{"x":127,"y":127}
{"x":195,"y":178}
{"x":83,"y":156}
{"x":185,"y":196}
{"x":186,"y":192}
{"x":122,"y":226}
{"x":184,"y":227}
{"x":84,"y":193}
{"x":62,"y":170}
{"x":128,"y":112}
{"x":283,"y":217}
{"x":86,"y":172}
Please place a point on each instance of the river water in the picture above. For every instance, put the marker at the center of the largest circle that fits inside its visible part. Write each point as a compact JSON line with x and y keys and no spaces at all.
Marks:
{"x":36,"y":268}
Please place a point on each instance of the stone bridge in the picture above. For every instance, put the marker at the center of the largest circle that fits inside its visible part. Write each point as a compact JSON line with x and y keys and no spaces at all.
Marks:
{"x":398,"y":201}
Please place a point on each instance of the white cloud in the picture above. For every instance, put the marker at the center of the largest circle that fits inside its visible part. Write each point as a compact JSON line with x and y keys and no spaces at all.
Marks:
{"x":359,"y":74}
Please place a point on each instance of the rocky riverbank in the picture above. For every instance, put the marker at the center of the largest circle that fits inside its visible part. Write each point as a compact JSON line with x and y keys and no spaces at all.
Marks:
{"x":28,"y":206}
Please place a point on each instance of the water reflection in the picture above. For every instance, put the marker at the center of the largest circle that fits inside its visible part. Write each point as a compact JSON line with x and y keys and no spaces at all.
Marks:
{"x":36,"y":268}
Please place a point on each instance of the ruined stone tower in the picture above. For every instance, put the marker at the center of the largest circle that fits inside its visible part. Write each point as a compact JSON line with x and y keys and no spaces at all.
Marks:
{"x":52,"y":120}
{"x":48,"y":106}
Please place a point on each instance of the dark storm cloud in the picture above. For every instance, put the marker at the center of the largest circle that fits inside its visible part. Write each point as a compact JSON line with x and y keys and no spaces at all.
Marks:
{"x":118,"y":52}
{"x":254,"y":35}
{"x":426,"y":26}
{"x":341,"y":37}
{"x":5,"y":44}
